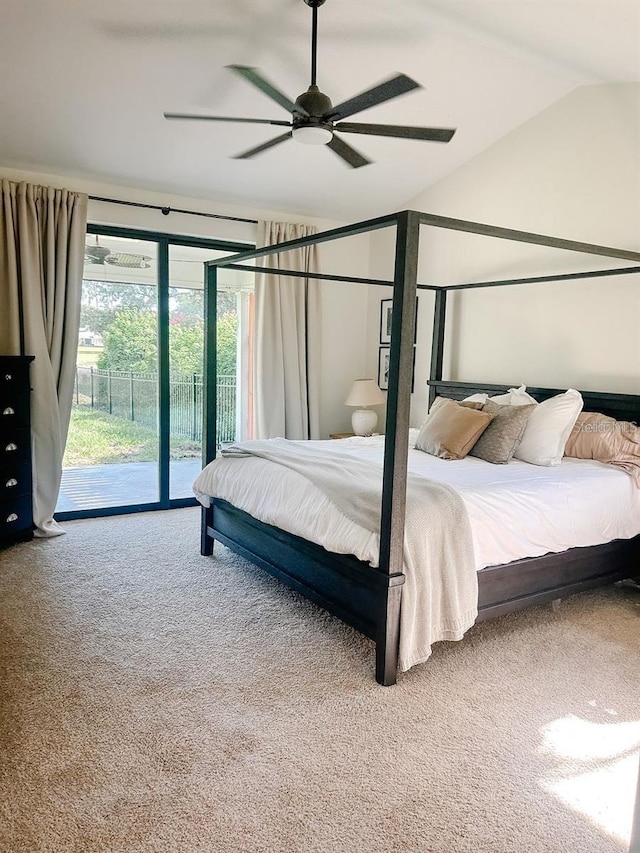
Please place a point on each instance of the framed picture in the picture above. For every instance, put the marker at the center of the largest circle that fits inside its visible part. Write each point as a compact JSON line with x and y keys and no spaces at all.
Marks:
{"x":386,"y":313}
{"x":383,"y":369}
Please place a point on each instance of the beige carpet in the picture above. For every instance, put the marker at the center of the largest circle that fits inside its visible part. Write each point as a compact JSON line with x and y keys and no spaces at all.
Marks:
{"x":156,"y":700}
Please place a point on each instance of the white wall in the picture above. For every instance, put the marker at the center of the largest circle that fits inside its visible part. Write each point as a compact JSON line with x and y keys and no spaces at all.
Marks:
{"x":344,"y":305}
{"x":573,"y":171}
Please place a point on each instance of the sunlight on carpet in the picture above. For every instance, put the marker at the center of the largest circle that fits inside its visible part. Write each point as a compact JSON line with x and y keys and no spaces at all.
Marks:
{"x":604,"y":790}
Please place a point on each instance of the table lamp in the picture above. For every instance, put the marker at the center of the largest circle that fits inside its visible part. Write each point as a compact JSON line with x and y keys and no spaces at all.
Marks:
{"x":364,"y":393}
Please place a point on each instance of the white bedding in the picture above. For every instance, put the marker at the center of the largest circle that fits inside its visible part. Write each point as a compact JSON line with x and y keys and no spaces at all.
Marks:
{"x":516,"y":510}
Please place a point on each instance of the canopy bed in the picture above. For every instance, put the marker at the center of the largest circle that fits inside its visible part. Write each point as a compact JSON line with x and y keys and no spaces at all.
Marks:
{"x":367,"y":596}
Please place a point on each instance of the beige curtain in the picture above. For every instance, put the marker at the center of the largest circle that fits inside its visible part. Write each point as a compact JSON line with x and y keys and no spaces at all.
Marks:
{"x":42,"y":236}
{"x":287,"y":339}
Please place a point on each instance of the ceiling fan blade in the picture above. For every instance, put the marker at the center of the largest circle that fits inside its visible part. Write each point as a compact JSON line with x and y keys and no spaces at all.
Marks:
{"x":372,"y":97}
{"x":430,"y":134}
{"x":265,"y":145}
{"x":352,"y":157}
{"x":254,"y":77}
{"x":196,"y":117}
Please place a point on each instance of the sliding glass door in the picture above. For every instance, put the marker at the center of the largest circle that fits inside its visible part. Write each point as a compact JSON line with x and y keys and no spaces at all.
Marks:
{"x":135,"y":438}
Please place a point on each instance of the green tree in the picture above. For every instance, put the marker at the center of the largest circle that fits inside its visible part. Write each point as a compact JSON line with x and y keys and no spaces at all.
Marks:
{"x":186,"y":348}
{"x":227,"y":334}
{"x":102,"y":301}
{"x":187,"y":306}
{"x":131,"y":342}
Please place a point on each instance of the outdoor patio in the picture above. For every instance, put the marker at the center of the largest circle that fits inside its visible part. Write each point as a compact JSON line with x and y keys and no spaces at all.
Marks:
{"x":123,"y":484}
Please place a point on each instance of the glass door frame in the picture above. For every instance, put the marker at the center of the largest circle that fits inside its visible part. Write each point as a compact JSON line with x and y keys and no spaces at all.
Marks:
{"x":163,"y":241}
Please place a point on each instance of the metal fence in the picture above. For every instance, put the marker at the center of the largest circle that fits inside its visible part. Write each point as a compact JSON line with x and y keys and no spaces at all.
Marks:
{"x":134,"y":397}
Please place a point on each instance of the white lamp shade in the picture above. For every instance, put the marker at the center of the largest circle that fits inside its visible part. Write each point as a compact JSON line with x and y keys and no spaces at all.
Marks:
{"x":364,"y":392}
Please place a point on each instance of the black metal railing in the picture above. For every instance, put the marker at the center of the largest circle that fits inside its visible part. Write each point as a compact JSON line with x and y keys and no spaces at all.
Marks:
{"x":134,"y":397}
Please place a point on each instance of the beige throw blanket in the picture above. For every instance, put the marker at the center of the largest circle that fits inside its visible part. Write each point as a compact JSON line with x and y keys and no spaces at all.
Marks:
{"x":440,"y":594}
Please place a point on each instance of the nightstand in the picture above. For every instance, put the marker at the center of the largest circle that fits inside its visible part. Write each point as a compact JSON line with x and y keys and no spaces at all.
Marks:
{"x":341,"y":434}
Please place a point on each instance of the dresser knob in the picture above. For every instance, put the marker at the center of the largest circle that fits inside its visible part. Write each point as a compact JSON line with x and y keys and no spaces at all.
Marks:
{"x":12,"y":517}
{"x":11,"y":446}
{"x":8,"y":377}
{"x":9,"y":411}
{"x":11,"y":483}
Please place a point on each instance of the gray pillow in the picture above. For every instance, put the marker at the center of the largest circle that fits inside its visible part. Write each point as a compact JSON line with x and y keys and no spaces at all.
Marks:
{"x":501,"y":438}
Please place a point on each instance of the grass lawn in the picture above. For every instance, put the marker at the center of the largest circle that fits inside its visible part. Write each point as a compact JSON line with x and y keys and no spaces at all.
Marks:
{"x":97,"y":438}
{"x":88,"y":356}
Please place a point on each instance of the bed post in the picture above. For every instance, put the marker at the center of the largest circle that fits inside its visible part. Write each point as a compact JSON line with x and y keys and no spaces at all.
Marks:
{"x":437,"y":341}
{"x":394,"y":478}
{"x":209,"y":425}
{"x":206,"y":541}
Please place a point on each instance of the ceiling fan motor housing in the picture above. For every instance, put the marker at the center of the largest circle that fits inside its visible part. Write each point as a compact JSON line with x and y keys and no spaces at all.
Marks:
{"x":316,"y":105}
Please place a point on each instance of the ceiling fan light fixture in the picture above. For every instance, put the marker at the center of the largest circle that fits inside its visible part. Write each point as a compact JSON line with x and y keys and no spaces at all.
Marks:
{"x":312,"y":135}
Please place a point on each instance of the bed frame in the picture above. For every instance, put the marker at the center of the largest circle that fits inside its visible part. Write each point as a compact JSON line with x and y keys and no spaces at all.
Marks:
{"x":366,"y":598}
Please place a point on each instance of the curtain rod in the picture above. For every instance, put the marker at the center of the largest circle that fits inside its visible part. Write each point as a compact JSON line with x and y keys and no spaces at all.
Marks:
{"x":166,"y":210}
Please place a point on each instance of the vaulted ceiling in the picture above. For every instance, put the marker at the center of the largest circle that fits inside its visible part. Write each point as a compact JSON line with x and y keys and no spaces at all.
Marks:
{"x":83,"y":88}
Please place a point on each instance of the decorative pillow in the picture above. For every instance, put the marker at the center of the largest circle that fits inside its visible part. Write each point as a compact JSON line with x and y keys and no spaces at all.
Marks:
{"x":451,"y":430}
{"x":514,"y":397}
{"x":548,"y":429}
{"x":467,"y":404}
{"x":499,"y":441}
{"x":596,"y":436}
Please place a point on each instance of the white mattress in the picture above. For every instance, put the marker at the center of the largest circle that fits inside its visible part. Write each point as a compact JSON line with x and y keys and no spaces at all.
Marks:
{"x":516,"y":510}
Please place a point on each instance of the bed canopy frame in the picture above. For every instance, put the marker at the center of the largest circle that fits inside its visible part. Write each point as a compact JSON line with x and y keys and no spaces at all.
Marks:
{"x":366,"y":598}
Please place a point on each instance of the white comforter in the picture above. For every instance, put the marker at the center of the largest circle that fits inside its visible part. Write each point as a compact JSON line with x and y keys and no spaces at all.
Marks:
{"x":440,"y":592}
{"x":516,"y":510}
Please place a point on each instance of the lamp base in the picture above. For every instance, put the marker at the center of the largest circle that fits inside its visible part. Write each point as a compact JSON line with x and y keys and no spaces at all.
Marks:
{"x":364,"y":421}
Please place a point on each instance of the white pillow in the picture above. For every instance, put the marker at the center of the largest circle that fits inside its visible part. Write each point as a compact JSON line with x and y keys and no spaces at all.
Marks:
{"x":548,"y":429}
{"x":476,"y":398}
{"x":514,"y":397}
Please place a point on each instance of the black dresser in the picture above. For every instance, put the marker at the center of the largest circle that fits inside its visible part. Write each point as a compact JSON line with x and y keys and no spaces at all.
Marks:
{"x":16,"y":514}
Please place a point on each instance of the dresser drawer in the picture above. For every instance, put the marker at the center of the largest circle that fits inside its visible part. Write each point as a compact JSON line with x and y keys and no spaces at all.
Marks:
{"x":16,"y":518}
{"x":14,"y":374}
{"x":14,"y":409}
{"x":15,"y":480}
{"x":15,"y":447}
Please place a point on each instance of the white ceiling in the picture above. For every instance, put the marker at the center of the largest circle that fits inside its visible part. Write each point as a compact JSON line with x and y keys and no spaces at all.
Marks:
{"x":84,"y":83}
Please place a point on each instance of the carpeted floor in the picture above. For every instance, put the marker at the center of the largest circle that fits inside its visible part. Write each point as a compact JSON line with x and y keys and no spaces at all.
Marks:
{"x":155,"y":700}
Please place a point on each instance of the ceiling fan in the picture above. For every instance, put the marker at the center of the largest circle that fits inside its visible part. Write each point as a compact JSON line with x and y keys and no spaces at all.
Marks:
{"x":314,"y":119}
{"x":97,"y":254}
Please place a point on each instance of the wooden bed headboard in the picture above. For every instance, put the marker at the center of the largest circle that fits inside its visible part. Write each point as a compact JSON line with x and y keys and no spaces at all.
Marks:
{"x":622,"y":407}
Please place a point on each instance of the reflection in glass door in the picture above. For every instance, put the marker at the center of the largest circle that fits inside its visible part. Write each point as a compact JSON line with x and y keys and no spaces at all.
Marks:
{"x":111,"y":457}
{"x":135,"y":438}
{"x":186,"y":354}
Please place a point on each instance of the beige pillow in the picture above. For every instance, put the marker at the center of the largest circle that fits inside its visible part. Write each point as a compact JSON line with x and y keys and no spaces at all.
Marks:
{"x":468,"y":404}
{"x":500,"y":440}
{"x":450,"y":431}
{"x":599,"y":437}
